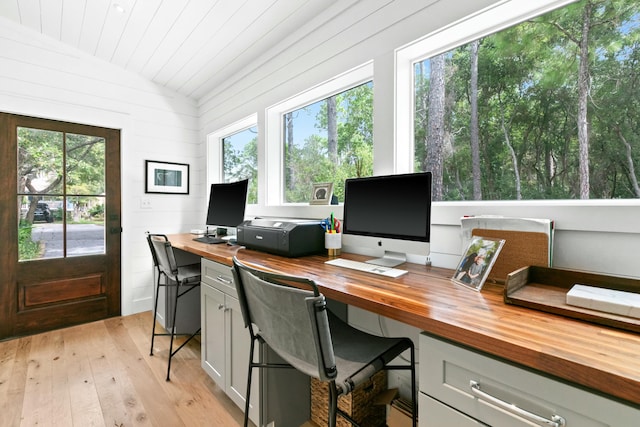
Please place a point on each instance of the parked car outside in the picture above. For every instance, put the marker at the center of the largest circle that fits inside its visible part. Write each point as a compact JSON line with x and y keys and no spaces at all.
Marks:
{"x":42,"y":213}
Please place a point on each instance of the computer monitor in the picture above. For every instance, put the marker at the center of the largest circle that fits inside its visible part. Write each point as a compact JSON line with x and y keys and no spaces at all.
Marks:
{"x":227,"y":203}
{"x":391,"y":215}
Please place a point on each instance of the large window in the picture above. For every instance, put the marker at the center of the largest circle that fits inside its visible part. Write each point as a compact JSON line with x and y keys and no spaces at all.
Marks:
{"x":328,"y":141}
{"x":546,"y":109}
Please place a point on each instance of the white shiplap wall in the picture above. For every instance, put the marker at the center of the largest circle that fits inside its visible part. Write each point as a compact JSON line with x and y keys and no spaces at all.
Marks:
{"x":42,"y":78}
{"x":590,"y":235}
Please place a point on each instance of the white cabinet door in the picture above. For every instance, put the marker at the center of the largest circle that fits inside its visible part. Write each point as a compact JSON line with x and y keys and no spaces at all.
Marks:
{"x":238,"y":343}
{"x":213,"y":333}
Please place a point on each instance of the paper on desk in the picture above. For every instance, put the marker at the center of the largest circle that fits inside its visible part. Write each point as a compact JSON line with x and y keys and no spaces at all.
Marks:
{"x":528,"y":241}
{"x":497,"y":222}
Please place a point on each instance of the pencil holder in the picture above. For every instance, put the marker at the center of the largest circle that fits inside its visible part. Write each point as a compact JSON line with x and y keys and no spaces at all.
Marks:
{"x":333,"y":243}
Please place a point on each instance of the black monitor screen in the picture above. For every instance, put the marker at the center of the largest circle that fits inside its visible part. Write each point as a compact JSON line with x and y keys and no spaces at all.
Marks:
{"x":394,"y":206}
{"x":227,"y":202}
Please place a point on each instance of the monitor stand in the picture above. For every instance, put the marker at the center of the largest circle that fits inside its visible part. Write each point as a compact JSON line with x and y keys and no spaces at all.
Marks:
{"x":389,"y":259}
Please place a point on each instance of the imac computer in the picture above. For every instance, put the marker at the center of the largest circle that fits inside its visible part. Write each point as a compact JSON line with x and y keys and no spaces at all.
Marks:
{"x":389,"y":215}
{"x":227,"y":203}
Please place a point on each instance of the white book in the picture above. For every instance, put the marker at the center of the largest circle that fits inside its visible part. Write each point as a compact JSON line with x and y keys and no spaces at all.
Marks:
{"x":607,"y":300}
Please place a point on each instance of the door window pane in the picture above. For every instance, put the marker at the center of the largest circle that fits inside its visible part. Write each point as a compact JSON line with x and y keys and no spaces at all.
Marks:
{"x":61,"y":194}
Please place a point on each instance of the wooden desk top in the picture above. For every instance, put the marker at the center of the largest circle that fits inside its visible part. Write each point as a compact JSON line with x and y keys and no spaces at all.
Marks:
{"x":600,"y":358}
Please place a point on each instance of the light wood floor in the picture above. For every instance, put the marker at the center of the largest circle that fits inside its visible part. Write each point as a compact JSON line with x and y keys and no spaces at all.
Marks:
{"x":101,"y":374}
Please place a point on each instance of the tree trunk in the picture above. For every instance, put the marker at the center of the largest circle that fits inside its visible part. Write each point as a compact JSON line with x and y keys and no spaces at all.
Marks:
{"x":288,"y":128}
{"x":332,"y":129}
{"x":422,"y":113}
{"x":583,"y":94}
{"x":630,"y":166}
{"x":475,"y":133}
{"x":514,"y":158}
{"x":435,"y":139}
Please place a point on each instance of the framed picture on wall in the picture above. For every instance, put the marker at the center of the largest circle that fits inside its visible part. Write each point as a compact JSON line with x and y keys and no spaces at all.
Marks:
{"x":166,"y":177}
{"x":321,"y":193}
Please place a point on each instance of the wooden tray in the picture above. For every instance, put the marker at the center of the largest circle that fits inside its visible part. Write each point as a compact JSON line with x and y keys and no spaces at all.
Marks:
{"x":545,"y":289}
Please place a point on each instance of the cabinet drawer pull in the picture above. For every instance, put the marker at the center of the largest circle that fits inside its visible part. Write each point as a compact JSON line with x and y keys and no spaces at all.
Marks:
{"x":224,"y":280}
{"x":555,"y":421}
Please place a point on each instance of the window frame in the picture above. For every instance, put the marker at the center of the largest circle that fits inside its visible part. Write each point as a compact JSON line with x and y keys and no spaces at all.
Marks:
{"x":274,"y":138}
{"x":215,"y":166}
{"x":490,"y":20}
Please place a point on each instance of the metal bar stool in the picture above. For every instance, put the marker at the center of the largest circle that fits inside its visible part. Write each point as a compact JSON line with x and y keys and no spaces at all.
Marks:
{"x":183,"y":278}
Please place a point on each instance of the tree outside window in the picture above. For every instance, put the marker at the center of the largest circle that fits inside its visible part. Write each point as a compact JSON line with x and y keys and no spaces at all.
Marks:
{"x":328,"y":141}
{"x":546,"y":109}
{"x":240,"y":160}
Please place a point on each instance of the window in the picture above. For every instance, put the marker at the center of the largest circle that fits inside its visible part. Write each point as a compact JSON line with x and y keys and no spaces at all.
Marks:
{"x":328,"y":141}
{"x":232,"y":154}
{"x":539,"y":110}
{"x":240,"y":159}
{"x":305,"y":145}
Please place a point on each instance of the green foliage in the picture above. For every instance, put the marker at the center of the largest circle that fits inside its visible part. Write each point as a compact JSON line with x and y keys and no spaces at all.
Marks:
{"x":308,"y":161}
{"x":27,"y":249}
{"x":528,"y":97}
{"x":97,"y":211}
{"x":242,"y":163}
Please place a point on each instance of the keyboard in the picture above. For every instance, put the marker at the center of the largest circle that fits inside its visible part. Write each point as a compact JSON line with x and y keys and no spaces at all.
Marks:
{"x":366,"y":267}
{"x":210,"y":240}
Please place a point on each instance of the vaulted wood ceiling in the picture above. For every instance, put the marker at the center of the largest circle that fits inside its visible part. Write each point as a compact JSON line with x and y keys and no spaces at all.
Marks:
{"x":190,"y":46}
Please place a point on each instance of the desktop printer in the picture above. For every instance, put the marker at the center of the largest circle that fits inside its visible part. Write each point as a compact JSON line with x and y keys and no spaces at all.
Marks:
{"x":287,"y":237}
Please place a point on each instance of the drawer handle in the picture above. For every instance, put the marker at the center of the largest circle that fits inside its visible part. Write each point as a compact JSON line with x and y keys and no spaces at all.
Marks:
{"x":224,"y":280}
{"x":555,"y":421}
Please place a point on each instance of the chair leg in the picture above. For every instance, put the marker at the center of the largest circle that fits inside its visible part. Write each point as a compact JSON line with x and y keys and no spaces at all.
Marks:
{"x":247,"y":396}
{"x":333,"y":404}
{"x":414,"y":395}
{"x":155,"y":313}
{"x":173,"y":329}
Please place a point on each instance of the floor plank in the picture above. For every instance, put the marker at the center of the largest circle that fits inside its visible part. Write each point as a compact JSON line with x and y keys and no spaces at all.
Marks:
{"x":101,"y":374}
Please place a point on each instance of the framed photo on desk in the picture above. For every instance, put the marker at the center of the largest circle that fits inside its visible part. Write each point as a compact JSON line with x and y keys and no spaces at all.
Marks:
{"x":166,"y":177}
{"x":476,"y":262}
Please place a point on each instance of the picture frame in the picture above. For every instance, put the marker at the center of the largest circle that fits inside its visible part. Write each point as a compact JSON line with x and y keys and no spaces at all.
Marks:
{"x":476,"y":262}
{"x":321,"y":193}
{"x":166,"y":177}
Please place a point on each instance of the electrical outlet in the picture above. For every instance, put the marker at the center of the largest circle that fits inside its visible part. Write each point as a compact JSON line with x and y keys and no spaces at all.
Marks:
{"x":428,"y":260}
{"x":145,"y":203}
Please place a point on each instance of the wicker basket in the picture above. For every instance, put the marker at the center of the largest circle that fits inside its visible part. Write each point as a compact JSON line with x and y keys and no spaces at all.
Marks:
{"x":357,"y":404}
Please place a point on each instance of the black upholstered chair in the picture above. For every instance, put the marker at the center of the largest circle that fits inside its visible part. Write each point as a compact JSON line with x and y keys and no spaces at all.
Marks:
{"x":290,"y":315}
{"x":183,"y":279}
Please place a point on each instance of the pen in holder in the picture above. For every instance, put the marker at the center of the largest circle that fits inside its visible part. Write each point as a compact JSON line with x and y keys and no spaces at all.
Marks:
{"x":332,"y":235}
{"x":333,"y":243}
